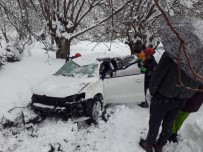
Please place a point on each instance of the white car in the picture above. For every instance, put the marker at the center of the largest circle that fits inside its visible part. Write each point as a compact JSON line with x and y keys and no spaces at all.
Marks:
{"x":81,"y":89}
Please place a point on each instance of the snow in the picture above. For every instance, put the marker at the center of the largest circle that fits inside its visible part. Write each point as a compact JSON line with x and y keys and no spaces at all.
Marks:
{"x":17,"y":78}
{"x":66,"y":35}
{"x":188,"y":3}
{"x":54,"y":86}
{"x":198,"y":28}
{"x":127,"y":123}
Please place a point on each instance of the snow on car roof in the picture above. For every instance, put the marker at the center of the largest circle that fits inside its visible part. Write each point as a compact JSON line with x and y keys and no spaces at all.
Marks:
{"x":86,"y":59}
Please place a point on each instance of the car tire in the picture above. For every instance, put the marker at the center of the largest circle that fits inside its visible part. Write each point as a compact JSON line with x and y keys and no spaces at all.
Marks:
{"x":93,"y":110}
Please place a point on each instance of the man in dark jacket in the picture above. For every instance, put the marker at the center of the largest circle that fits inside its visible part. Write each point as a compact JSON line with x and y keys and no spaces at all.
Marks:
{"x":167,"y":100}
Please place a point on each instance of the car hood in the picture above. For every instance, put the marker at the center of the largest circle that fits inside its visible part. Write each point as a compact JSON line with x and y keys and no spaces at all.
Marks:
{"x":61,"y":86}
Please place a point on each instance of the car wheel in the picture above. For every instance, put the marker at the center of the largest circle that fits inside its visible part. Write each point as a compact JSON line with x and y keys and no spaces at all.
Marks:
{"x":93,"y":110}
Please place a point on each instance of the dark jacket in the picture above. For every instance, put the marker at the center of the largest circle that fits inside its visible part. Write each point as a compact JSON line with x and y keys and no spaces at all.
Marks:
{"x":150,"y":64}
{"x":194,"y":103}
{"x":165,"y":79}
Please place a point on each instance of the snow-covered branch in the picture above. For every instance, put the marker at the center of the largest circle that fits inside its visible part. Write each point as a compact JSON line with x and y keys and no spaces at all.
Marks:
{"x":71,"y":36}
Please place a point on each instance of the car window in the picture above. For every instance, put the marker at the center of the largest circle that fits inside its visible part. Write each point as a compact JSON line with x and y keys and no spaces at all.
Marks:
{"x":67,"y":67}
{"x":116,"y":67}
{"x":131,"y":70}
{"x":87,"y":70}
{"x":71,"y":69}
{"x":125,"y":61}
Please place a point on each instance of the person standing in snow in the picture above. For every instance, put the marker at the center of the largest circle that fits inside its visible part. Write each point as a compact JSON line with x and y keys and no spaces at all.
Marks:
{"x":192,"y":105}
{"x":73,"y":57}
{"x":149,"y":66}
{"x":167,"y":100}
{"x":151,"y":46}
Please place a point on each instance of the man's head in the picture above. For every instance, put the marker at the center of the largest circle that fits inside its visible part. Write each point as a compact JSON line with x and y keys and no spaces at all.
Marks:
{"x":149,"y":51}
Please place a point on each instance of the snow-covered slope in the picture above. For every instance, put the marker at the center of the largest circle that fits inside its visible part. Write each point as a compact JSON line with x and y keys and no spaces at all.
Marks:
{"x":127,"y":123}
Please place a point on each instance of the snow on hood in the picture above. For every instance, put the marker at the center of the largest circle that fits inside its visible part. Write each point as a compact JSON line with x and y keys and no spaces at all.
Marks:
{"x":61,"y":86}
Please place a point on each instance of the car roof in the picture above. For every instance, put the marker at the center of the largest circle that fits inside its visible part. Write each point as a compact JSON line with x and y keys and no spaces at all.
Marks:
{"x":117,"y":61}
{"x":96,"y":58}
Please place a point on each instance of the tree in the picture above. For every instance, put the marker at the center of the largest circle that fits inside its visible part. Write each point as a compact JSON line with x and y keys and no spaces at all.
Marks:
{"x":193,"y":70}
{"x":139,"y":20}
{"x":101,"y":20}
{"x":68,"y":19}
{"x":4,"y":25}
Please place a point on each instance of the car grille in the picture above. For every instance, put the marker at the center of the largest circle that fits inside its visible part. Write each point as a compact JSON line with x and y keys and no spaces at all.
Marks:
{"x":53,"y":101}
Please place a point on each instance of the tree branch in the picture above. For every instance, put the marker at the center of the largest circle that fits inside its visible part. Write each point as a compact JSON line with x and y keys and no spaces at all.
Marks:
{"x":181,"y":47}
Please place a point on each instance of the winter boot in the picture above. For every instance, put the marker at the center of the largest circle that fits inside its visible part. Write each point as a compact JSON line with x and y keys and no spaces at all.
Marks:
{"x":144,"y":104}
{"x":158,"y":147}
{"x":173,"y":138}
{"x":147,"y":147}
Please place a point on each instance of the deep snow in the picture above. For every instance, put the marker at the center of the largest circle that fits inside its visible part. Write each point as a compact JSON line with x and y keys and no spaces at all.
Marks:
{"x":127,"y":123}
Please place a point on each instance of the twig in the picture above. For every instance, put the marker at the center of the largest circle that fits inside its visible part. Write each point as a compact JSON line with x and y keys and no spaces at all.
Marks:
{"x":9,"y":111}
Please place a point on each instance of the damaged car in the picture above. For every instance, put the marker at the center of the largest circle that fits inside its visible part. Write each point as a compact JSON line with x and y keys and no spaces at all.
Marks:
{"x":80,"y":89}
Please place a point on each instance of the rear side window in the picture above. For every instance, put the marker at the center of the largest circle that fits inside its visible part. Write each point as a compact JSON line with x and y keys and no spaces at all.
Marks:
{"x":131,"y":70}
{"x":125,"y":61}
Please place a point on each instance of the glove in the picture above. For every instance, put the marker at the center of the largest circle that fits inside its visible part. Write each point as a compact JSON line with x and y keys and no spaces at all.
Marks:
{"x":143,"y":69}
{"x":138,"y":60}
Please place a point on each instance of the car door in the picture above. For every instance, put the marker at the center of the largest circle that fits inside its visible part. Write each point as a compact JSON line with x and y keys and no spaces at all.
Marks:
{"x":125,"y":86}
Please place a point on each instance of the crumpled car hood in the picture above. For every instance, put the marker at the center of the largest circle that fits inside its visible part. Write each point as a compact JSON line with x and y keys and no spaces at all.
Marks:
{"x":61,"y":86}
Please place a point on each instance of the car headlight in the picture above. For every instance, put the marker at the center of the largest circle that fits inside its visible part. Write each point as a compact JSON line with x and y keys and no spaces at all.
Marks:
{"x":75,"y":98}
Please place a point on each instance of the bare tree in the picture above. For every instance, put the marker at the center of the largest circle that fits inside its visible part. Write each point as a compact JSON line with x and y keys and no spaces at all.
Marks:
{"x":136,"y":24}
{"x":3,"y":25}
{"x":69,"y":19}
{"x":139,"y":21}
{"x":101,"y":20}
{"x":183,"y":50}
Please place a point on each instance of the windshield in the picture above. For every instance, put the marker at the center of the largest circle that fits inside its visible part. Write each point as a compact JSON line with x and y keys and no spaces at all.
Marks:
{"x":71,"y":69}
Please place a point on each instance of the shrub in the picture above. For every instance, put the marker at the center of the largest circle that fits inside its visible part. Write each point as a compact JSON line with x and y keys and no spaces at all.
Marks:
{"x":10,"y":54}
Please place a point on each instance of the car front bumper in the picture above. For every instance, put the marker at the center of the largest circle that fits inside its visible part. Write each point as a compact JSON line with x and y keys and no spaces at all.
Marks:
{"x":70,"y":109}
{"x":48,"y":108}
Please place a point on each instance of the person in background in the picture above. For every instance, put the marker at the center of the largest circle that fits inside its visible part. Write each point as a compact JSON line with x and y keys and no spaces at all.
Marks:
{"x":151,"y":46}
{"x":73,"y":57}
{"x":148,"y":67}
{"x":167,"y":100}
{"x":192,"y":105}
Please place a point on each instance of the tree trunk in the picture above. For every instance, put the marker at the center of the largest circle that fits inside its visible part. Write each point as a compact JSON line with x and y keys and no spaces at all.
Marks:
{"x":58,"y":54}
{"x":64,"y":50}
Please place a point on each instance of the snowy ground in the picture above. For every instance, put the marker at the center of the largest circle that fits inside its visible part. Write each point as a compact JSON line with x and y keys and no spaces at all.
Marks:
{"x":127,"y":124}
